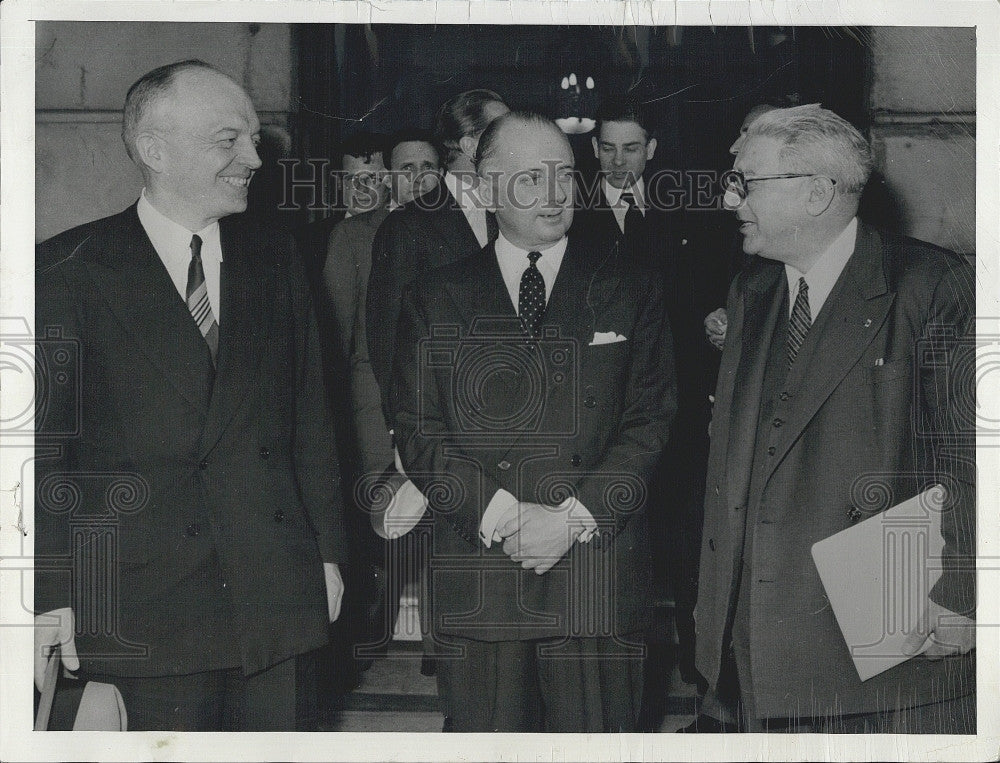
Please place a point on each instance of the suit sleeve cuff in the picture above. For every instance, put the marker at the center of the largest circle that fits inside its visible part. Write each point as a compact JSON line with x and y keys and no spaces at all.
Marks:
{"x":580,"y":516}
{"x":495,"y":509}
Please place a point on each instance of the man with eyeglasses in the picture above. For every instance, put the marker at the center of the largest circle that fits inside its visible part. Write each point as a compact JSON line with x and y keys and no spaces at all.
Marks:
{"x":842,"y":377}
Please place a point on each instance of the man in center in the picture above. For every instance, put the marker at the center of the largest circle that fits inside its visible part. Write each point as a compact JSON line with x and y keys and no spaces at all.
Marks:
{"x":532,"y":393}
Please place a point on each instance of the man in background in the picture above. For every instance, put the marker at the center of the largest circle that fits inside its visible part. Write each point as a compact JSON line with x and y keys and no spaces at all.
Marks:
{"x":358,"y":187}
{"x":414,"y":169}
{"x":440,"y":227}
{"x":200,"y":393}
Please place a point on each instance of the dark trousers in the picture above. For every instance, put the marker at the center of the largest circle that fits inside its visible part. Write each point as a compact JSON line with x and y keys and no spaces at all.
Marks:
{"x":281,"y":698}
{"x":554,"y":685}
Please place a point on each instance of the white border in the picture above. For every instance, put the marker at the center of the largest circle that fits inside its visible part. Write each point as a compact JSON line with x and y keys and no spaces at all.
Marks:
{"x":17,"y":49}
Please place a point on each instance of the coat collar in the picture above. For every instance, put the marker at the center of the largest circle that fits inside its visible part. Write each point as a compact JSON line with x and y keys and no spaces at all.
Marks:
{"x":857,"y":308}
{"x":137,"y":288}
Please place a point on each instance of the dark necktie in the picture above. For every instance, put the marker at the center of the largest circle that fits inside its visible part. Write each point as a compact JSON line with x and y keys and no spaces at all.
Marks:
{"x":197,"y":299}
{"x":633,"y":216}
{"x":531,"y":296}
{"x":799,"y":323}
{"x":492,"y":230}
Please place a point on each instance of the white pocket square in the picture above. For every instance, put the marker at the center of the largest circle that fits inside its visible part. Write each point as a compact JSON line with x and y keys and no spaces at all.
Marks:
{"x":606,"y":337}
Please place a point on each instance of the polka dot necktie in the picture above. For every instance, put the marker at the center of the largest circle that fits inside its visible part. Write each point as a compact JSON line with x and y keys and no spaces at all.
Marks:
{"x":800,"y":321}
{"x":531,"y":296}
{"x":197,"y":299}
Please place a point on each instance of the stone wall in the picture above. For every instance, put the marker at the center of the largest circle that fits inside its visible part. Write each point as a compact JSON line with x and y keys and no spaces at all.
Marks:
{"x":83,"y":71}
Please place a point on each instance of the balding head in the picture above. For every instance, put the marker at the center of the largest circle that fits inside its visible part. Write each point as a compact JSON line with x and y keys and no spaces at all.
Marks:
{"x":193,"y":132}
{"x":526,"y":168}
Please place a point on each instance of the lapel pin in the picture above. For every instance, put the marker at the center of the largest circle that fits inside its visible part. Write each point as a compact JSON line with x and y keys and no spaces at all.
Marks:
{"x":868,"y":322}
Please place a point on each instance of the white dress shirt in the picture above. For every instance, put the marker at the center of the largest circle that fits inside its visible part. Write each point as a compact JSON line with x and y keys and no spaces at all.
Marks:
{"x":464,"y":191}
{"x":172,"y":243}
{"x":513,"y":261}
{"x":620,"y":208}
{"x":823,"y":275}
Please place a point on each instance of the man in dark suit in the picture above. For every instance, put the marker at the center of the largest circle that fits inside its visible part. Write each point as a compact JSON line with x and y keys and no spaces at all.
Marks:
{"x":532,"y":392}
{"x":439,"y":227}
{"x":844,"y":377}
{"x":198,"y":549}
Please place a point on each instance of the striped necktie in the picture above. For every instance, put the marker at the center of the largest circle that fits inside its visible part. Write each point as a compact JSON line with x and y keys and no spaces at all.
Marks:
{"x":197,"y":299}
{"x":799,"y":323}
{"x":531,"y":296}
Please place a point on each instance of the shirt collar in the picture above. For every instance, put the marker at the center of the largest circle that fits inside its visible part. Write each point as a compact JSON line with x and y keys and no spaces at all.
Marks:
{"x":169,"y":237}
{"x":553,"y":254}
{"x":613,"y":194}
{"x":823,"y":275}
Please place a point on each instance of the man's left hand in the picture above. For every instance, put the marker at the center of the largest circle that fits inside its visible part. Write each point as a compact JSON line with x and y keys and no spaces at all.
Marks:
{"x":334,"y":590}
{"x":950,"y":633}
{"x":539,"y":536}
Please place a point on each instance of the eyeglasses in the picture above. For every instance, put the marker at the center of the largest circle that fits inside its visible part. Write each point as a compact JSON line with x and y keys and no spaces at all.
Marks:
{"x":735,"y":185}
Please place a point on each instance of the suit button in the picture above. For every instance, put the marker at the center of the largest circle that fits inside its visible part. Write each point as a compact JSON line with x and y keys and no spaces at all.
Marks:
{"x":784,"y":396}
{"x":777,"y":423}
{"x":854,"y":514}
{"x":192,"y":530}
{"x":711,"y":543}
{"x":203,"y":465}
{"x":264,"y":453}
{"x":576,"y":460}
{"x":770,"y":451}
{"x":504,"y":465}
{"x":590,"y":401}
{"x":279,"y":515}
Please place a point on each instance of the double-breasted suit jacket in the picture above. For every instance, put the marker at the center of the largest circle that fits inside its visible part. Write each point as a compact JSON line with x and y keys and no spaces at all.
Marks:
{"x":213,"y":560}
{"x":878,"y":405}
{"x":479,"y":406}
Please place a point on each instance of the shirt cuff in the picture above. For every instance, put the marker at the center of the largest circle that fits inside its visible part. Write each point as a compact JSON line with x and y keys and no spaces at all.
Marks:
{"x":405,"y":511}
{"x":498,"y":505}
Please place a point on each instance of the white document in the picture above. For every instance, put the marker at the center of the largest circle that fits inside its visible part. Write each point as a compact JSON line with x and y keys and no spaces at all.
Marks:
{"x":877,"y":575}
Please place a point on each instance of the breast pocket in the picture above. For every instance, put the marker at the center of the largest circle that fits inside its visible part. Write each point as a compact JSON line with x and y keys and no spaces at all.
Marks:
{"x":891,"y":373}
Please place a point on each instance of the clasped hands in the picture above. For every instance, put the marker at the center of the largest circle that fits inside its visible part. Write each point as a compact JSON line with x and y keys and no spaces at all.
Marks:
{"x":538,"y":536}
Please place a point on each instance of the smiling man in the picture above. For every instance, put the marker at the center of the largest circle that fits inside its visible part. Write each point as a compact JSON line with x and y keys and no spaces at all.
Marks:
{"x":198,"y":388}
{"x":844,"y":389}
{"x":533,"y":391}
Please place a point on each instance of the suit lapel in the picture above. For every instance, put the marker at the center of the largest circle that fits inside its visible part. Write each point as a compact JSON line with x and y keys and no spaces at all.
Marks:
{"x":570,"y":298}
{"x":139,"y":292}
{"x":484,"y":294}
{"x":858,"y":306}
{"x":762,"y":307}
{"x":247,"y":297}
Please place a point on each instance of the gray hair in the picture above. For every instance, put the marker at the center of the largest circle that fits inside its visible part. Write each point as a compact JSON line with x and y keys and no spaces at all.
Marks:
{"x":149,"y":89}
{"x":817,"y":140}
